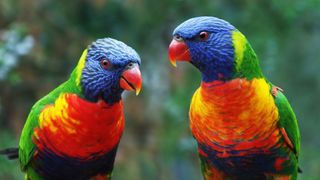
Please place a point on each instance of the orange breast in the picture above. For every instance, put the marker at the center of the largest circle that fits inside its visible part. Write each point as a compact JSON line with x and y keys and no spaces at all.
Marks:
{"x":76,"y":128}
{"x":238,"y":115}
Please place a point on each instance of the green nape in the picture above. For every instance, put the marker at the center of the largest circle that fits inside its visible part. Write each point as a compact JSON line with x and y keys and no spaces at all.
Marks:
{"x":246,"y":61}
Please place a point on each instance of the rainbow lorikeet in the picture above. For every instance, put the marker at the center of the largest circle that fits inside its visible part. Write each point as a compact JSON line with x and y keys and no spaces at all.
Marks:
{"x":244,"y":125}
{"x":73,"y":132}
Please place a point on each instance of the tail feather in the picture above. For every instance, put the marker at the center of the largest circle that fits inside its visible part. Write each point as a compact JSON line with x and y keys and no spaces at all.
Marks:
{"x":11,"y":153}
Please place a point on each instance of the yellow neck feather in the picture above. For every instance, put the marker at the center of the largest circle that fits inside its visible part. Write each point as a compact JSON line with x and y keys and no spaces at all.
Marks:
{"x":80,"y":66}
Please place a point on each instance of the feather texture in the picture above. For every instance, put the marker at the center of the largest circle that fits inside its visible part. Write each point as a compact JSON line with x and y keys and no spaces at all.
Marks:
{"x":236,"y":125}
{"x":74,"y":131}
{"x":243,"y":129}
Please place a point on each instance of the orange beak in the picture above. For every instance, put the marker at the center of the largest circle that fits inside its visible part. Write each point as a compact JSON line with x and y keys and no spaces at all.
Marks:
{"x":178,"y":51}
{"x":131,"y":79}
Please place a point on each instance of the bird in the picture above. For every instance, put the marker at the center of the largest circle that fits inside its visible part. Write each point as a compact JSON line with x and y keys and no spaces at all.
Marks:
{"x":244,"y":125}
{"x":74,"y":131}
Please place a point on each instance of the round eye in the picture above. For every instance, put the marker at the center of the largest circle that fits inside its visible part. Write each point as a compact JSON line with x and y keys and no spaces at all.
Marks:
{"x":105,"y":63}
{"x":203,"y":35}
{"x":177,"y":37}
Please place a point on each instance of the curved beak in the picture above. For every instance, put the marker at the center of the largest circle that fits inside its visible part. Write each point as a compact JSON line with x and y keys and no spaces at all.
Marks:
{"x":178,"y":51}
{"x":131,"y":79}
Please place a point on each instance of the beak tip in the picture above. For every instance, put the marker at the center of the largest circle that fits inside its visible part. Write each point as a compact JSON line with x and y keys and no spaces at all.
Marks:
{"x":173,"y":63}
{"x":131,"y":80}
{"x":138,"y":92}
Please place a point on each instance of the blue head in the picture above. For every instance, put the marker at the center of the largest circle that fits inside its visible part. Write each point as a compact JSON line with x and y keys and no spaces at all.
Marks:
{"x":207,"y":43}
{"x":107,"y":68}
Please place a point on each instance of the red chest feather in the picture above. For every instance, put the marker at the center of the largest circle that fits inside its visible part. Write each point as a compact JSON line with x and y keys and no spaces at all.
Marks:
{"x":80,"y":129}
{"x":240,"y":114}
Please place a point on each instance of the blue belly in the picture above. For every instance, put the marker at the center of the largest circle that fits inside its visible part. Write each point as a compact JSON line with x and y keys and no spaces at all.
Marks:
{"x":51,"y":166}
{"x":253,"y":165}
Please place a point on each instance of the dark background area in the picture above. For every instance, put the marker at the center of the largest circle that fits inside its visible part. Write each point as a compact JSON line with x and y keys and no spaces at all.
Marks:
{"x":42,"y":40}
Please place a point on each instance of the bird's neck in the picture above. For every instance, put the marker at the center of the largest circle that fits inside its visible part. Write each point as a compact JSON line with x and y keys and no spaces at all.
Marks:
{"x":220,"y":72}
{"x":246,"y":63}
{"x":237,"y":60}
{"x":110,"y":96}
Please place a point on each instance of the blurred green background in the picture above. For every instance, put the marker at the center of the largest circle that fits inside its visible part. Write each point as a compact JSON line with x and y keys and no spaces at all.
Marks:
{"x":41,"y":41}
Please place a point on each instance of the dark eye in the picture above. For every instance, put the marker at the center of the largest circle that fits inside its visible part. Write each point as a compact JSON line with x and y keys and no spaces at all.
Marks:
{"x":105,"y":63}
{"x":177,"y":37}
{"x":203,"y":35}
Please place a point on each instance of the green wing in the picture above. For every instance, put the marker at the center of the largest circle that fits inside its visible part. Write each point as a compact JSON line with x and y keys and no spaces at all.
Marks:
{"x":288,"y":121}
{"x":26,"y":145}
